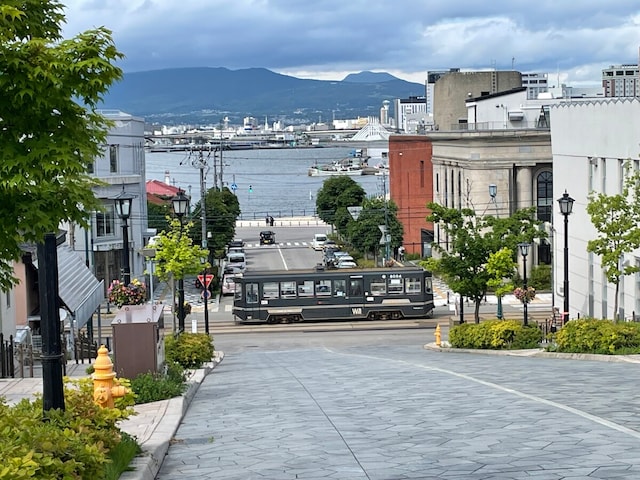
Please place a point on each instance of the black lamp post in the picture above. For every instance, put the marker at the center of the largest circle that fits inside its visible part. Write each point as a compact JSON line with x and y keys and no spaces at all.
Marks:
{"x":524,"y":251}
{"x":180,"y":208}
{"x":566,"y":206}
{"x":493,"y":192}
{"x":123,"y":208}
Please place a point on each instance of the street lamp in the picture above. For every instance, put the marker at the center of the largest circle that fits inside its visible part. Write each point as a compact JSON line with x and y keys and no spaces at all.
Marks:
{"x":566,"y":206}
{"x":524,"y":250}
{"x":180,"y":207}
{"x":123,"y":208}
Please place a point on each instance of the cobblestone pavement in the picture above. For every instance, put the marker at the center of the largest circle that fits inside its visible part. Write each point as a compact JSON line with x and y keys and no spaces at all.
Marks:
{"x":403,"y":412}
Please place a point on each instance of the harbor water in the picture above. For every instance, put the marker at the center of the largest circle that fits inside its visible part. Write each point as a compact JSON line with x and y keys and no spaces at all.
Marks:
{"x":268,"y":181}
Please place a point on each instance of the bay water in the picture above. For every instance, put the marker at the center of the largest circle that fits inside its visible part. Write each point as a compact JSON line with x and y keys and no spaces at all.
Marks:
{"x":268,"y":181}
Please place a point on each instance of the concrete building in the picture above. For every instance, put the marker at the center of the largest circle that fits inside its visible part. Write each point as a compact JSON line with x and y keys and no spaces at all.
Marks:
{"x":591,"y":140}
{"x":535,"y":83}
{"x":621,"y":81}
{"x":411,"y":114}
{"x":452,"y":90}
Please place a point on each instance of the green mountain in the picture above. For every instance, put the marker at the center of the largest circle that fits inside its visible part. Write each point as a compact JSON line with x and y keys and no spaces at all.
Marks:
{"x":206,"y":95}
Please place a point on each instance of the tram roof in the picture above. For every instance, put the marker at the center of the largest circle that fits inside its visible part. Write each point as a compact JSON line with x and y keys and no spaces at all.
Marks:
{"x":332,"y":272}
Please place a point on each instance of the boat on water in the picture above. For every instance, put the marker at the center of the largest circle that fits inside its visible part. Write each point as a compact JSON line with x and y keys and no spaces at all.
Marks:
{"x":354,"y":164}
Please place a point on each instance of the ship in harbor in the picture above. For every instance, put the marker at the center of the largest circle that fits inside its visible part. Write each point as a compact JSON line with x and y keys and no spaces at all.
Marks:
{"x":354,"y":164}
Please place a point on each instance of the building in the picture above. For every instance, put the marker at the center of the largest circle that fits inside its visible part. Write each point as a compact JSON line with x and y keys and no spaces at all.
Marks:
{"x":120,"y":168}
{"x":535,"y":83}
{"x":621,"y":81}
{"x":453,"y":89}
{"x":591,"y":140}
{"x":411,"y":114}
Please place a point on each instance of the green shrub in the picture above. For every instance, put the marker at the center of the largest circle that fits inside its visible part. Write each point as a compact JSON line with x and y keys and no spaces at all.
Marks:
{"x":540,"y":277}
{"x":190,"y":350}
{"x":74,"y":443}
{"x":152,"y":387}
{"x":598,"y":336}
{"x":495,"y":334}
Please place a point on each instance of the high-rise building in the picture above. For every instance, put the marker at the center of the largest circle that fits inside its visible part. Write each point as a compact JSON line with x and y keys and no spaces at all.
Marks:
{"x":536,"y":84}
{"x":621,"y":81}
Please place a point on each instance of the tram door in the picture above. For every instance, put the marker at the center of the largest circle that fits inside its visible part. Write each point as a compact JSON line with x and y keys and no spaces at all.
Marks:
{"x":355,"y":292}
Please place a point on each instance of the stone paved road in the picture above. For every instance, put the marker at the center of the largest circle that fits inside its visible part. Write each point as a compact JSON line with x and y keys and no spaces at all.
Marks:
{"x":351,"y":413}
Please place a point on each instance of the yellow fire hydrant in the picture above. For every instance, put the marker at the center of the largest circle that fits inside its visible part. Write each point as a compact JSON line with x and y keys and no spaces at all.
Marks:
{"x":105,"y":385}
{"x":438,"y":335}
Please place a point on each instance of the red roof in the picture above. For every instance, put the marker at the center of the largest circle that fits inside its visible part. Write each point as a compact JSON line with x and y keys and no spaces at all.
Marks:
{"x":162,"y":189}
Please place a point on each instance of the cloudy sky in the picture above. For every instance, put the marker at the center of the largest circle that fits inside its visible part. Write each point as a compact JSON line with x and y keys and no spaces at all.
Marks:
{"x":328,"y":39}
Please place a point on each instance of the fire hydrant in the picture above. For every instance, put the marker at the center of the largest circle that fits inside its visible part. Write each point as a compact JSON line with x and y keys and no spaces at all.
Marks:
{"x":438,"y":335}
{"x":105,"y":385}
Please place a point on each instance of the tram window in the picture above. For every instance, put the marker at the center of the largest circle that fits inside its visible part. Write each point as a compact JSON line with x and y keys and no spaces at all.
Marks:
{"x":378,"y":286}
{"x":355,"y":287}
{"x":305,"y":288}
{"x":339,"y":288}
{"x":270,"y":290}
{"x":428,"y":285}
{"x":252,"y":292}
{"x":288,"y":289}
{"x":395,"y":285}
{"x":323,"y":287}
{"x":412,"y":285}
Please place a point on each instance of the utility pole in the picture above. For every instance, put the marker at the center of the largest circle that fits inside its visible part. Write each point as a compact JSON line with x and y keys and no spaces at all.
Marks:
{"x":387,"y":235}
{"x":221,"y":162}
{"x":202,"y":165}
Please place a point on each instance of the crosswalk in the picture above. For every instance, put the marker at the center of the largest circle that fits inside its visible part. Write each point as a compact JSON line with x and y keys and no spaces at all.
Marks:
{"x":278,"y":244}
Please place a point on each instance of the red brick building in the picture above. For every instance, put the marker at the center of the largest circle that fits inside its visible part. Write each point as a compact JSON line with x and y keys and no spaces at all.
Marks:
{"x":411,"y":188}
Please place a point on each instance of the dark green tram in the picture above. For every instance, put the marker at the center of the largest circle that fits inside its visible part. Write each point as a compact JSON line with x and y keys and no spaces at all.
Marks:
{"x":339,"y":294}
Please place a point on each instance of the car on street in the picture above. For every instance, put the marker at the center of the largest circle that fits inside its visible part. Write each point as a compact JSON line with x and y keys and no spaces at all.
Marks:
{"x":228,"y":284}
{"x":267,"y":237}
{"x":235,"y":243}
{"x":236,"y":261}
{"x":347,"y":264}
{"x":319,"y":240}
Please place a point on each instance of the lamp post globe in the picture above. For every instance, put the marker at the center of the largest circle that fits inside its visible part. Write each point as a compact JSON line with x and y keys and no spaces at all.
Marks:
{"x":123,"y":203}
{"x":566,"y":207}
{"x":180,"y":208}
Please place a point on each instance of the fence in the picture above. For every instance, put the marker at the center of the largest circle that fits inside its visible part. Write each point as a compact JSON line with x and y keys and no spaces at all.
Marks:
{"x":7,"y":366}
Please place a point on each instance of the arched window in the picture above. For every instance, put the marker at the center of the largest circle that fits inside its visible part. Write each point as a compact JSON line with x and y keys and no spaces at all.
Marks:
{"x":544,"y":200}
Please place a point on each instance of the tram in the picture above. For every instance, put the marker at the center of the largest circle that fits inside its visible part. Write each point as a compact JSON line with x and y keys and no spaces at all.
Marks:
{"x":337,"y":294}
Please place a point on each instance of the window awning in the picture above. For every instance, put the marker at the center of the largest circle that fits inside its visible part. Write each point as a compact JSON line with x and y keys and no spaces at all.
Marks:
{"x":79,"y":290}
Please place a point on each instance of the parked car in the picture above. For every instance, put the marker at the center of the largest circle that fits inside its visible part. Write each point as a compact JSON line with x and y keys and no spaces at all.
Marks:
{"x":228,"y":284}
{"x":267,"y":237}
{"x":236,"y":242}
{"x":347,"y":264}
{"x":318,"y":241}
{"x":344,"y":259}
{"x":236,"y":261}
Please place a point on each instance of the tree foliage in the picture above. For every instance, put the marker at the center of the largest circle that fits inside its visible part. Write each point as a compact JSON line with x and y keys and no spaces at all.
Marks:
{"x":469,"y":242}
{"x":501,"y":266}
{"x":222,"y":212}
{"x":176,"y":256}
{"x":50,"y":130}
{"x":364,"y":233}
{"x":338,"y":193}
{"x":616,"y":218}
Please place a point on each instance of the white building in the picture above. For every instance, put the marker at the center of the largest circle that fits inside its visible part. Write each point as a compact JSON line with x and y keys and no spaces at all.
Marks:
{"x":411,"y":114}
{"x":590,"y":142}
{"x":621,"y":81}
{"x":536,"y":83}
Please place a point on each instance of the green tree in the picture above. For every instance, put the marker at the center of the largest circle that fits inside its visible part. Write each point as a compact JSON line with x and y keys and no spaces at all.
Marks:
{"x":616,"y":218}
{"x":222,"y":212}
{"x":336,"y":194}
{"x":470,"y":240}
{"x":158,"y":216}
{"x":51,"y":131}
{"x":501,"y":267}
{"x":364,"y":234}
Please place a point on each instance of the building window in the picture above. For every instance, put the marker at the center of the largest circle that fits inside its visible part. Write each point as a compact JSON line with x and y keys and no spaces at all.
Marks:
{"x":9,"y":299}
{"x":460,"y":188}
{"x":105,"y":222}
{"x":453,"y":201}
{"x":421,"y":173}
{"x":113,"y":158}
{"x":603,"y":189}
{"x":544,"y":184}
{"x":437,"y":183}
{"x":90,"y":168}
{"x":621,"y":174}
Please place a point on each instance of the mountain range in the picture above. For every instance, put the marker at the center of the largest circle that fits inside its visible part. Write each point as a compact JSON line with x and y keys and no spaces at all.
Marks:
{"x":204,"y":95}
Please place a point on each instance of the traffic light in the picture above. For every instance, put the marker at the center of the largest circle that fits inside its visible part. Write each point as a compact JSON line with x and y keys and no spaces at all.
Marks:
{"x":250,"y":188}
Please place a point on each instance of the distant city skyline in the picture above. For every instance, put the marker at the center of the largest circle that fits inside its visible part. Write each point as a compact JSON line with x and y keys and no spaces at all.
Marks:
{"x":327,"y":40}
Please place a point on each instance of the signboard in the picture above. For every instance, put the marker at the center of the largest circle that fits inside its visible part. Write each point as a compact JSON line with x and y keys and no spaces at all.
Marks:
{"x":234,"y":186}
{"x":354,"y":212}
{"x":209,"y":279}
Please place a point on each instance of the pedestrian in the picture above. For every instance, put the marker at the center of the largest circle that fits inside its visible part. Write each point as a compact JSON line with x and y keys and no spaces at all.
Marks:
{"x":271,"y":221}
{"x":267,"y":219}
{"x":401,"y":253}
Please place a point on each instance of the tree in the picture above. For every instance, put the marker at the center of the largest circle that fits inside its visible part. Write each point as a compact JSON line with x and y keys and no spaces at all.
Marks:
{"x":501,"y":267}
{"x":50,"y":129}
{"x":471,"y":240}
{"x":364,"y":234}
{"x":223,"y":210}
{"x":338,"y":193}
{"x":158,"y":215}
{"x":176,"y":255}
{"x":616,"y":218}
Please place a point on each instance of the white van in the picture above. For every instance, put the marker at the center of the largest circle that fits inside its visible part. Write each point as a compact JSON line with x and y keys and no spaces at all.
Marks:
{"x":236,"y":262}
{"x":318,"y":241}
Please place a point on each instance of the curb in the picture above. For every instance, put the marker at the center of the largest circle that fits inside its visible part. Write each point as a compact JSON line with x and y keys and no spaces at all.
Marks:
{"x":537,"y":352}
{"x":168,"y":416}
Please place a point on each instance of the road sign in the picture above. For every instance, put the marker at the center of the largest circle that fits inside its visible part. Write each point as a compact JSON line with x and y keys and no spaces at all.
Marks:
{"x":209,"y":279}
{"x":354,"y":212}
{"x":234,"y":186}
{"x":207,"y":293}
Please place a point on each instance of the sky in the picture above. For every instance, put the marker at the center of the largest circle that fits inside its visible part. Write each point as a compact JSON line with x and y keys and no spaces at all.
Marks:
{"x":572,"y":41}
